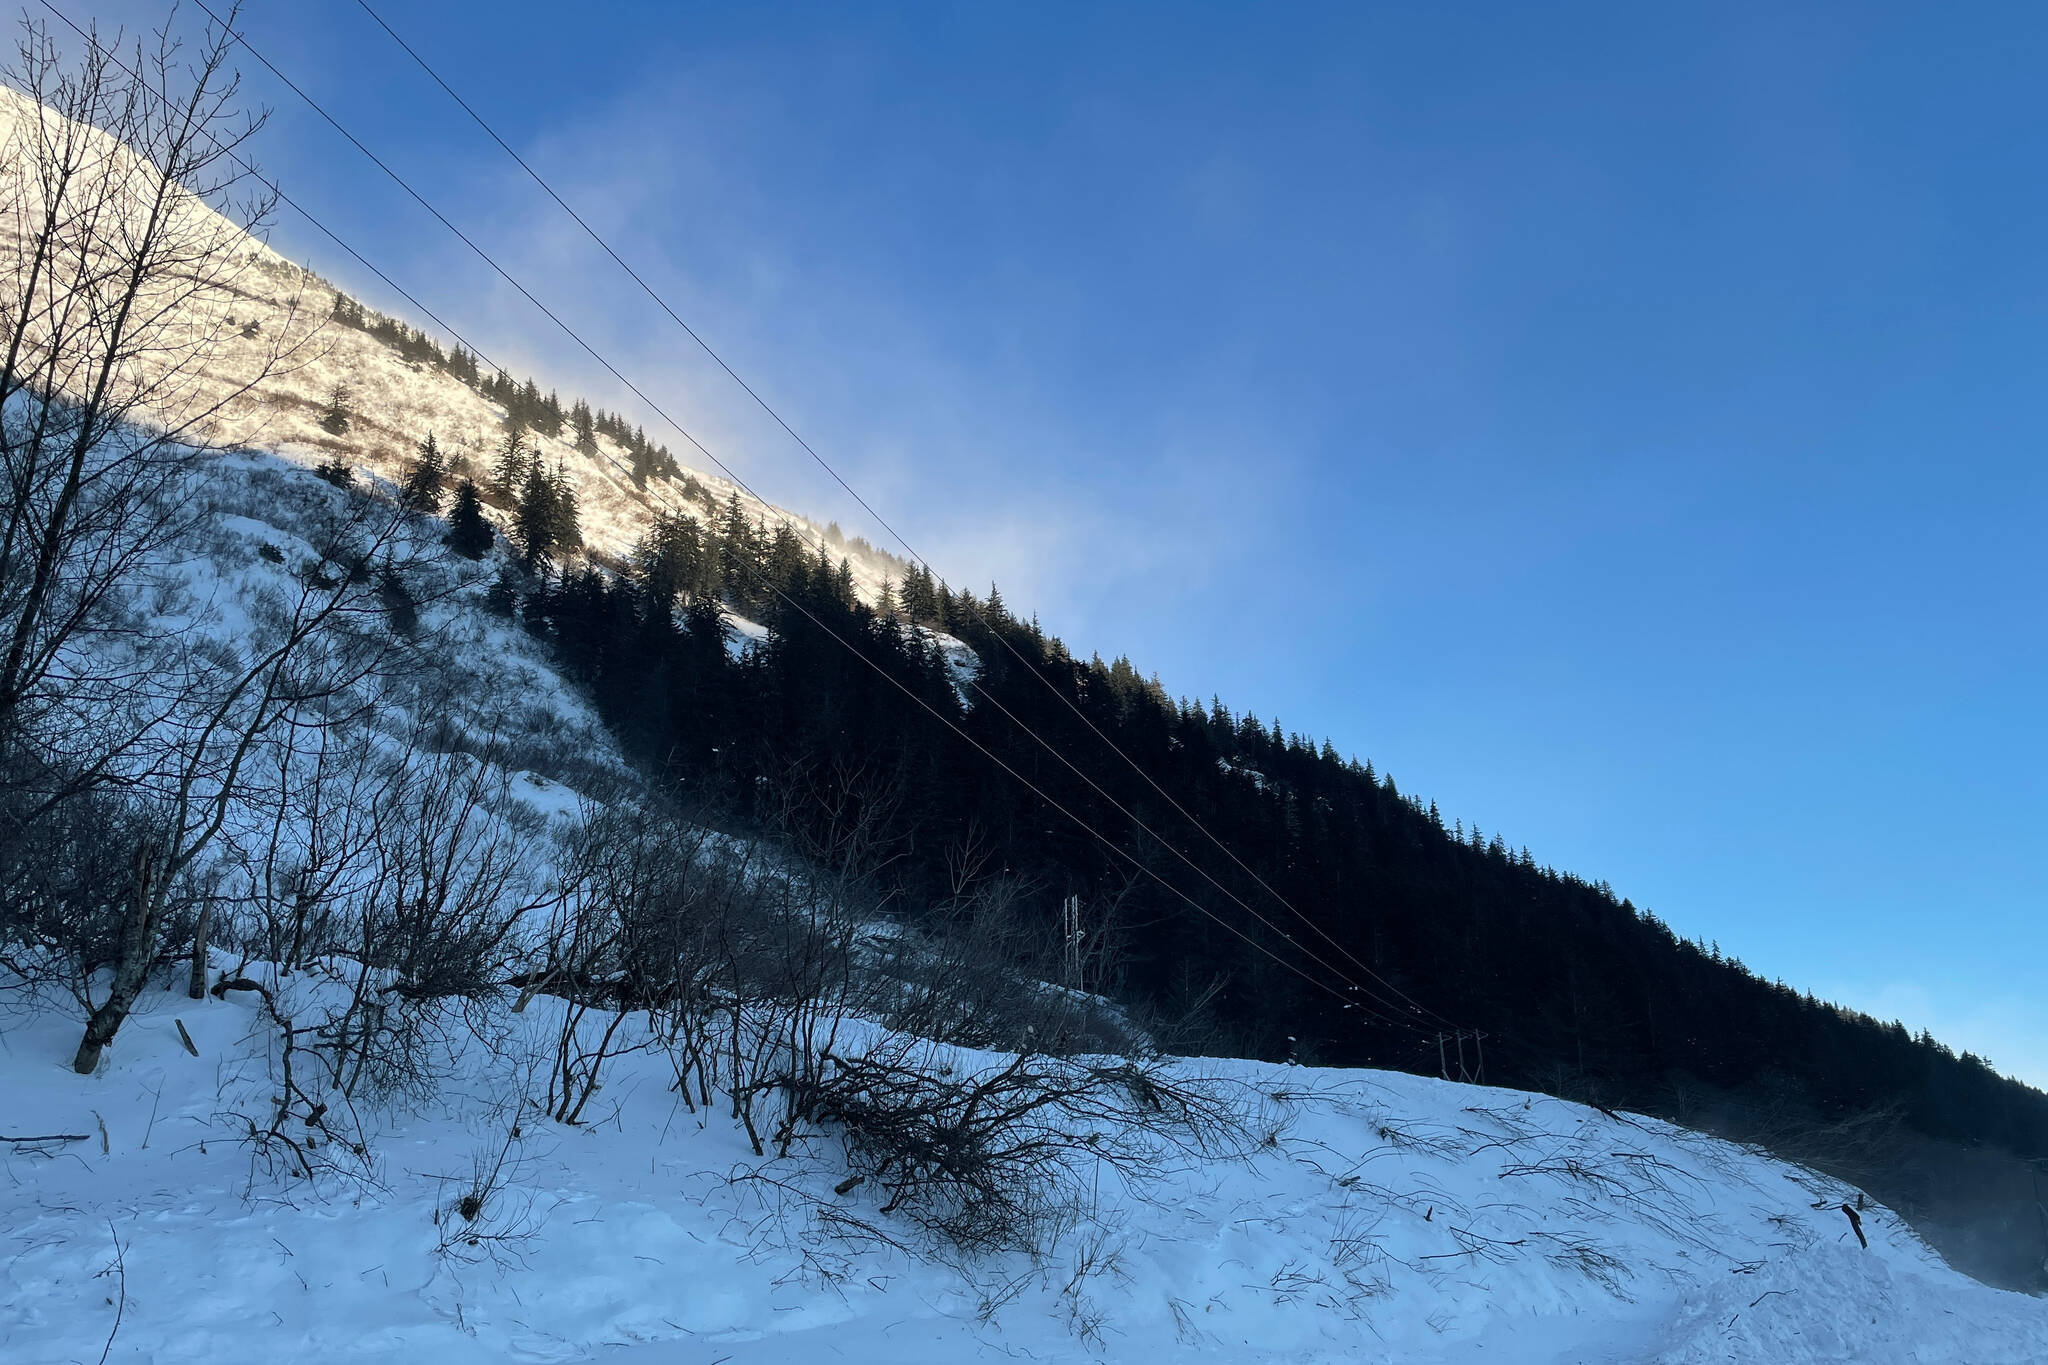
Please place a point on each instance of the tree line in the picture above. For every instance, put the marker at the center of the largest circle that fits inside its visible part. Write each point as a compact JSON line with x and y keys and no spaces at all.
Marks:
{"x":526,"y":407}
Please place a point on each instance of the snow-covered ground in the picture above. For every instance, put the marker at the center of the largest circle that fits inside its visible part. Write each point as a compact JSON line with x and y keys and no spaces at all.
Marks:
{"x":1389,"y":1218}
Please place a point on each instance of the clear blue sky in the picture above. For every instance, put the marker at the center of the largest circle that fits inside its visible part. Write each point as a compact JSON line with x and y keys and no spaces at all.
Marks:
{"x":1623,"y":423}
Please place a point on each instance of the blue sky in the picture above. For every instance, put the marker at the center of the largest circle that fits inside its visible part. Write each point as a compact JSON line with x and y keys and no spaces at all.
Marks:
{"x":1623,"y":423}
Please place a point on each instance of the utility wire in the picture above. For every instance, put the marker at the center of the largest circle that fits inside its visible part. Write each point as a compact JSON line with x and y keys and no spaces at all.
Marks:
{"x":1393,"y":1015}
{"x":788,"y":601}
{"x":880,"y":520}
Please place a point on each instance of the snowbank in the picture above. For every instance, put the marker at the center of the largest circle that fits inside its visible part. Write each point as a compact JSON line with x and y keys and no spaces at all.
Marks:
{"x":1389,"y":1218}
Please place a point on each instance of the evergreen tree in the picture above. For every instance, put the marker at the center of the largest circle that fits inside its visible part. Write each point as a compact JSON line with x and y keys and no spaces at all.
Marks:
{"x":401,"y":608}
{"x":920,"y":598}
{"x":738,"y":561}
{"x":515,"y":462}
{"x":585,"y":428}
{"x":336,"y":417}
{"x":426,"y":481}
{"x":537,"y":522}
{"x":670,"y":560}
{"x":503,"y":597}
{"x":347,"y":312}
{"x":469,"y":535}
{"x":567,"y":530}
{"x":785,"y":558}
{"x":641,"y":460}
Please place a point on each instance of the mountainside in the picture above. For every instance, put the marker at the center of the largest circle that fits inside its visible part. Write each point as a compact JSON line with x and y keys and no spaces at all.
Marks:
{"x":1461,"y":957}
{"x":165,"y":1204}
{"x":293,"y":343}
{"x":1449,"y":952}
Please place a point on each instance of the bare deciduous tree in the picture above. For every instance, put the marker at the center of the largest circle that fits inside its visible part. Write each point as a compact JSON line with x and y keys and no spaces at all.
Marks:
{"x":124,"y":206}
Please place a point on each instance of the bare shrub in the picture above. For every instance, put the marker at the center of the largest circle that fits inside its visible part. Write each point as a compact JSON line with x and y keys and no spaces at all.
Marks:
{"x":450,"y":882}
{"x":992,"y":1158}
{"x":299,"y":1133}
{"x":637,"y":930}
{"x":486,"y":1216}
{"x":67,"y":893}
{"x":975,"y":973}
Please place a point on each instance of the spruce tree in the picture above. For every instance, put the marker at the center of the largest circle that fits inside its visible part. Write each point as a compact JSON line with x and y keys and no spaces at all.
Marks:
{"x":426,"y":481}
{"x":920,"y":596}
{"x":642,"y":462}
{"x":503,"y":597}
{"x":586,"y":428}
{"x":535,"y":522}
{"x":469,"y":535}
{"x":669,"y":559}
{"x":785,"y":557}
{"x":568,"y":532}
{"x":336,"y":416}
{"x":515,"y":462}
{"x":737,"y":557}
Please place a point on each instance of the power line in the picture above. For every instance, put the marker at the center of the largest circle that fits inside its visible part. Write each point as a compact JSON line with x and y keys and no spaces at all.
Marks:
{"x":788,"y":601}
{"x":1393,"y":1012}
{"x":880,"y":520}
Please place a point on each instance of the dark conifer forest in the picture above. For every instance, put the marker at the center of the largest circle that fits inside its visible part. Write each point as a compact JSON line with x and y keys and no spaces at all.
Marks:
{"x":1465,"y":955}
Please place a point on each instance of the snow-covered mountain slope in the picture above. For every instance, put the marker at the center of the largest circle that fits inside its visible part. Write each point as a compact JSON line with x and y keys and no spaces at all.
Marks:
{"x":282,"y":356}
{"x":456,"y":678}
{"x":1387,"y":1218}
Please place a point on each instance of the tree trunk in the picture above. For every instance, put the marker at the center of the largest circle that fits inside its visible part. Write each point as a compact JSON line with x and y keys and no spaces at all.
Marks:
{"x":197,"y":989}
{"x":138,"y":947}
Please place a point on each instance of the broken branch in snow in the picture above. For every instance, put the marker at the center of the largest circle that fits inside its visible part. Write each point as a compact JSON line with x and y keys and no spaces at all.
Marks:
{"x":49,"y":1137}
{"x":1856,"y":1226}
{"x":120,"y":1269}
